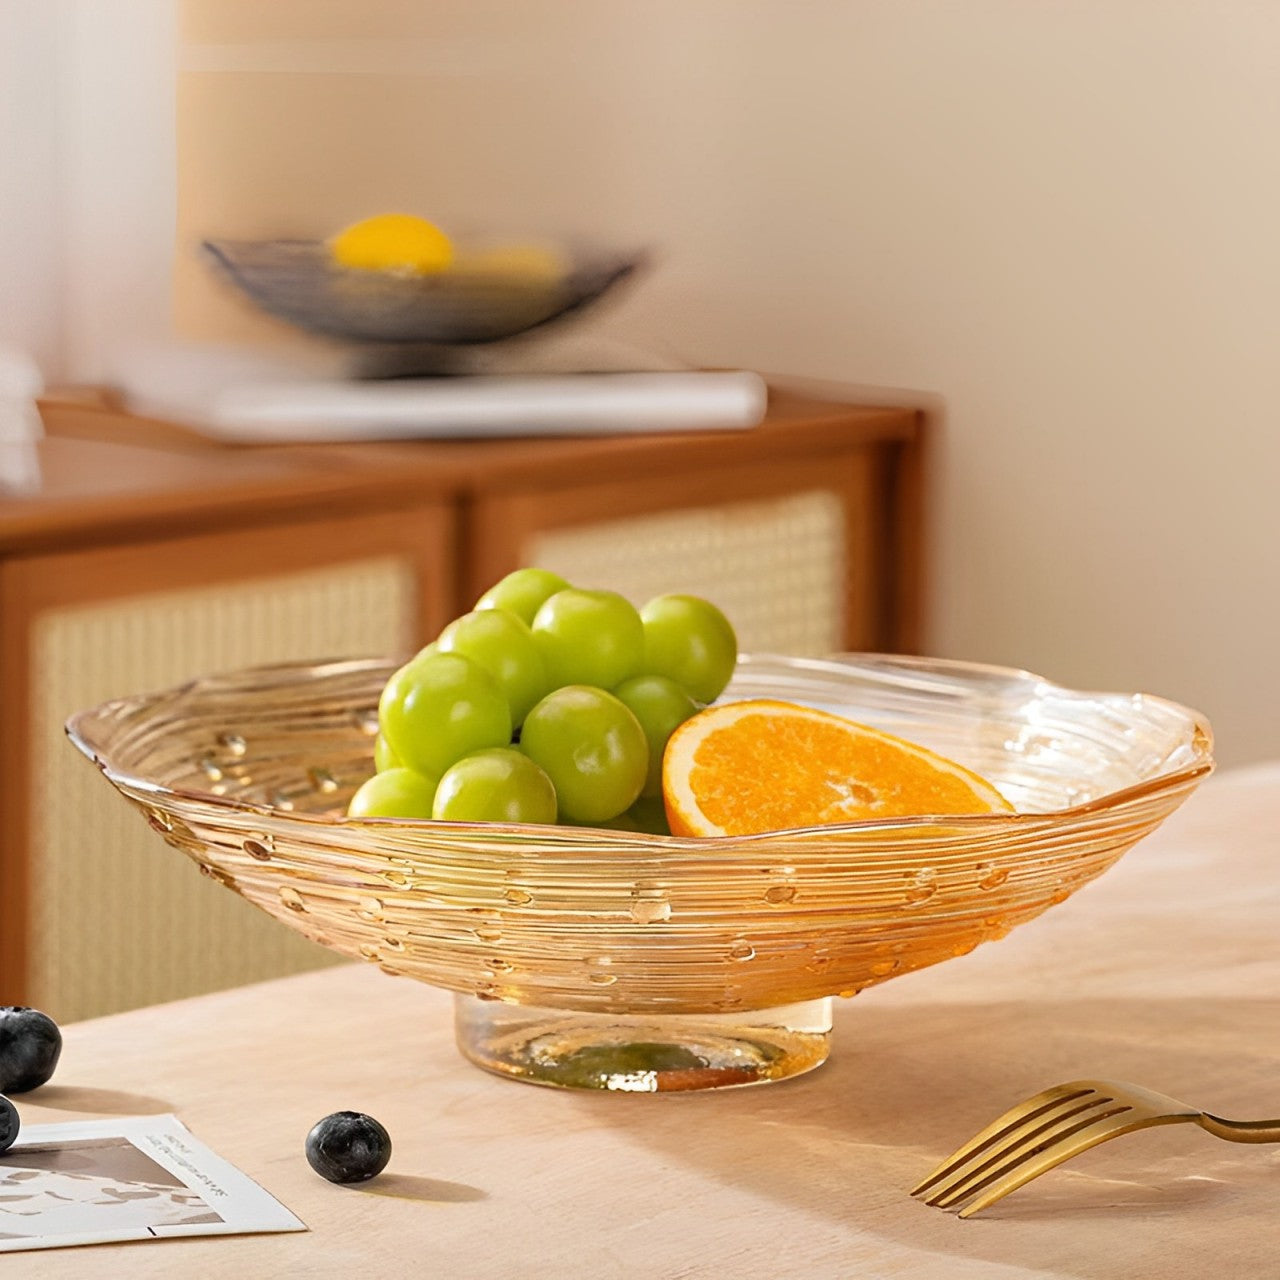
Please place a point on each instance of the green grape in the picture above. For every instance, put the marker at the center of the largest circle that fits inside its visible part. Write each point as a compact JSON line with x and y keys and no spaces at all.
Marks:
{"x":647,"y":817}
{"x":383,"y":757}
{"x":623,"y":822}
{"x":688,"y":640}
{"x":661,"y":706}
{"x":589,"y":637}
{"x":395,"y":793}
{"x":522,"y":592}
{"x":592,"y":748}
{"x":498,"y":785}
{"x":440,"y":707}
{"x":504,"y":646}
{"x":649,"y":814}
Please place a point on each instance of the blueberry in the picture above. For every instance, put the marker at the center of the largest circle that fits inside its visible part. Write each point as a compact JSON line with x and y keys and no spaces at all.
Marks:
{"x":348,"y":1147}
{"x":30,"y":1043}
{"x":9,"y":1124}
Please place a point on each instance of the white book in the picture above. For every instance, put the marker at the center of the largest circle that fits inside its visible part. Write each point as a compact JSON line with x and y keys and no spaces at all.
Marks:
{"x":244,"y":398}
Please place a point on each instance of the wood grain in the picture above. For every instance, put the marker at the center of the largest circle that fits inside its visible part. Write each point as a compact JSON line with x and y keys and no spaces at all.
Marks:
{"x":109,"y":474}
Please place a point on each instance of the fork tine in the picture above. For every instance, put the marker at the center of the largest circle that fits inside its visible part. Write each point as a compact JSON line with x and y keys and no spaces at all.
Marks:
{"x":1025,"y":1147}
{"x":1026,"y":1111}
{"x":1041,"y":1161}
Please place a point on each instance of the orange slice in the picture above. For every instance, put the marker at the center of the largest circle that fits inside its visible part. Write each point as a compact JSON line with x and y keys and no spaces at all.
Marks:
{"x":762,"y":765}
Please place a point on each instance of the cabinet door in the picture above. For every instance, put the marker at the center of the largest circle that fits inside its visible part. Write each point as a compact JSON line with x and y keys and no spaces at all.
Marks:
{"x":795,"y":552}
{"x":98,"y":913}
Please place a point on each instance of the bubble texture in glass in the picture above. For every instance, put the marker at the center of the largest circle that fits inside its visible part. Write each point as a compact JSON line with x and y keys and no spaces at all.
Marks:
{"x":529,"y":915}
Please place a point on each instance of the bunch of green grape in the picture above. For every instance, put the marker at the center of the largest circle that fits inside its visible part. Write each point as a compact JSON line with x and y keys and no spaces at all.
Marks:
{"x":546,"y":703}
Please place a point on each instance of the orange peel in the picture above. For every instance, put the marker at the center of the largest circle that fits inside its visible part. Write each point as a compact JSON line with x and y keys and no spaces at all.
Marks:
{"x":761,"y":765}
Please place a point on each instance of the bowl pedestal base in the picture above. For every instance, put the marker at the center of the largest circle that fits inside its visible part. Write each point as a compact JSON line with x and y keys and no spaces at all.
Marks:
{"x":642,"y":1053}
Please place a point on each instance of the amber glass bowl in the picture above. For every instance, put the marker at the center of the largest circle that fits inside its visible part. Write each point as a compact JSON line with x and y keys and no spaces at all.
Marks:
{"x":547,"y":927}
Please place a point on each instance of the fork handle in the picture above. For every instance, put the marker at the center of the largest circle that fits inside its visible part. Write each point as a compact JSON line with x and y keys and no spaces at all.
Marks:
{"x":1240,"y":1130}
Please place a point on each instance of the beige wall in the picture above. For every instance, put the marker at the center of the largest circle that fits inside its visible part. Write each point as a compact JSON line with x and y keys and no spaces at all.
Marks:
{"x":1058,"y":216}
{"x":117,"y":157}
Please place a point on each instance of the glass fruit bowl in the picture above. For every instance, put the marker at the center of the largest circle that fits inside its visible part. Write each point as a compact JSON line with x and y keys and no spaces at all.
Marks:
{"x":607,"y":959}
{"x":298,"y":281}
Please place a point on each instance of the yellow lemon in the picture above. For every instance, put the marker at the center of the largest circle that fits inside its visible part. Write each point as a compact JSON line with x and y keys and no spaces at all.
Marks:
{"x":396,"y":242}
{"x":527,"y":263}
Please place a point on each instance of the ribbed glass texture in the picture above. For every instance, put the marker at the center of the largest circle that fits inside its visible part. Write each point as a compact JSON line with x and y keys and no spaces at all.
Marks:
{"x":249,"y":774}
{"x":298,"y":281}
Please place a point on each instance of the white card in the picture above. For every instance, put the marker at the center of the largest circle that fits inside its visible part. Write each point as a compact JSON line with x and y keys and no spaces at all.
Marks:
{"x":133,"y":1178}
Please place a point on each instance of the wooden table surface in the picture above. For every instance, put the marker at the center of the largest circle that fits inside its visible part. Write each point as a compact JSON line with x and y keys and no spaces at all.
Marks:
{"x":106,"y":473}
{"x":1166,"y":971}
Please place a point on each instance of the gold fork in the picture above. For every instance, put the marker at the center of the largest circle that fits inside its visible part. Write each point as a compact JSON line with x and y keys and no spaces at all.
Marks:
{"x":1055,"y":1125}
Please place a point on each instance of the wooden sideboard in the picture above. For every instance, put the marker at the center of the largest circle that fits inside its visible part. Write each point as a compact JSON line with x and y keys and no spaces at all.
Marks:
{"x":147,"y":555}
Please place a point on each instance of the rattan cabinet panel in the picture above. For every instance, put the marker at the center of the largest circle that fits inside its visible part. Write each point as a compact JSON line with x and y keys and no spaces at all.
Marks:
{"x":98,"y":913}
{"x":794,"y":551}
{"x":159,"y":930}
{"x":777,"y":567}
